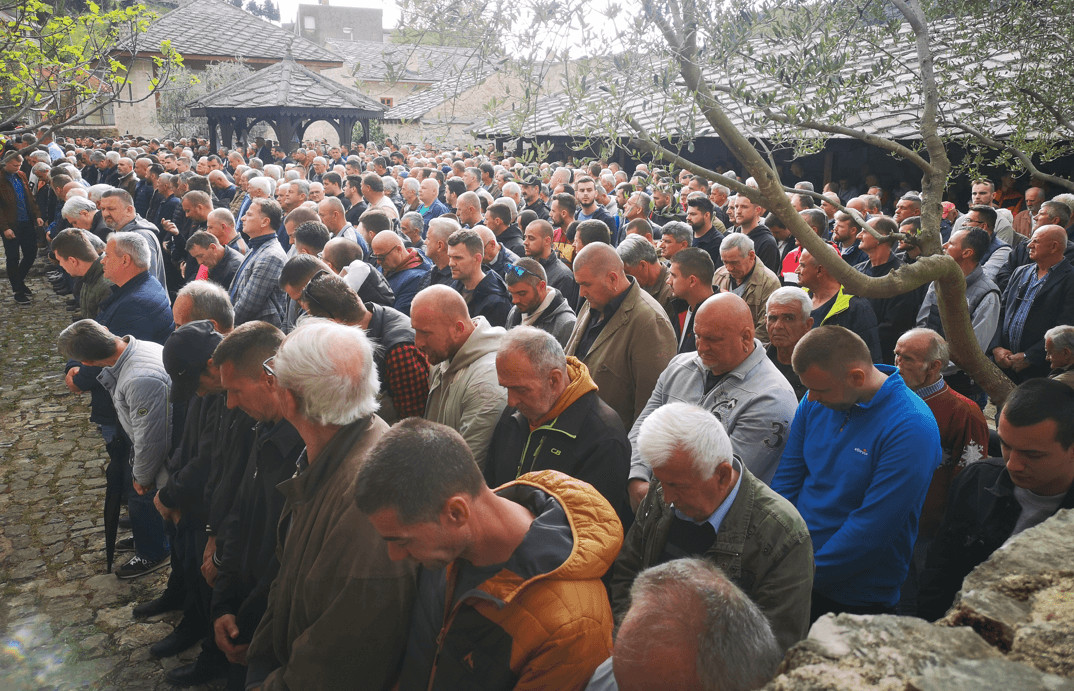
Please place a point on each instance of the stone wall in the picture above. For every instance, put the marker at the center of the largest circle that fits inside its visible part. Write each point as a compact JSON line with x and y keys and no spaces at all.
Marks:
{"x":1011,"y":629}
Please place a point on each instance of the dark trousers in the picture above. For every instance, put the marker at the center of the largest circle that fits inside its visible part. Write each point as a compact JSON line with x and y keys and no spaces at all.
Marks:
{"x":150,"y":540}
{"x":822,"y":605}
{"x":24,"y":242}
{"x":963,"y":384}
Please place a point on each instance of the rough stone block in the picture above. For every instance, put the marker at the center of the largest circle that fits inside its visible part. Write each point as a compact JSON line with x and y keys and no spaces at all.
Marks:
{"x":988,"y":675}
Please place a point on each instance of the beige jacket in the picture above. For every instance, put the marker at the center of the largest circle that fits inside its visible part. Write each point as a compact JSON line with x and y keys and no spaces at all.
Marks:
{"x":628,"y":356}
{"x":762,"y":283}
{"x":465,"y":392}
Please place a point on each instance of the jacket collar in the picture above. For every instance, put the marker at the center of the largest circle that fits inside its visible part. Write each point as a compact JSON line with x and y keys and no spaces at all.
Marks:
{"x":619,"y":318}
{"x":744,"y":368}
{"x":308,"y":483}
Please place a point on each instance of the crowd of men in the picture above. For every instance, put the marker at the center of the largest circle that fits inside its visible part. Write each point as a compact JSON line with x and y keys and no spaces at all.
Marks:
{"x":433,"y":419}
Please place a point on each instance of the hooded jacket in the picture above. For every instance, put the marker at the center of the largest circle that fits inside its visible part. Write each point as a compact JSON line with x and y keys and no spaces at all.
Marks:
{"x":337,"y":610}
{"x":543,"y":621}
{"x":557,"y":319}
{"x":763,"y":546}
{"x":465,"y":392}
{"x":580,"y":436}
{"x":628,"y":356}
{"x":95,"y":289}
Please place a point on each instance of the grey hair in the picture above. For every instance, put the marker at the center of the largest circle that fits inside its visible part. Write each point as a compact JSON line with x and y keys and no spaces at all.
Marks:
{"x":680,"y":231}
{"x":411,"y":183}
{"x":722,"y":189}
{"x":510,"y":204}
{"x":134,"y":246}
{"x":792,"y":295}
{"x":329,"y":368}
{"x":1061,"y":336}
{"x":938,"y":348}
{"x":684,"y":428}
{"x":443,"y":227}
{"x":209,"y":300}
{"x":412,"y":219}
{"x":302,"y":185}
{"x":634,"y":249}
{"x":113,"y":157}
{"x":86,"y":341}
{"x":273,"y":171}
{"x":512,"y":188}
{"x":389,"y":184}
{"x":41,"y":170}
{"x":871,"y":202}
{"x":736,"y":649}
{"x":540,"y":348}
{"x":262,"y":183}
{"x":737,"y":241}
{"x":75,"y":206}
{"x":1065,"y":198}
{"x":97,"y":156}
{"x":96,"y":191}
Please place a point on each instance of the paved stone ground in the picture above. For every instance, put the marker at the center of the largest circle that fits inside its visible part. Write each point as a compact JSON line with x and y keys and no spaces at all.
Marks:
{"x":64,"y":622}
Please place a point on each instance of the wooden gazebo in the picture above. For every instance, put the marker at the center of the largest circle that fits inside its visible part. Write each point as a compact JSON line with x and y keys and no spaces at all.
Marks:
{"x":288,"y":96}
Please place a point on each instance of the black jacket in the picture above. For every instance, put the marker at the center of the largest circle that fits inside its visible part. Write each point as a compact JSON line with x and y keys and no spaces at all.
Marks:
{"x":248,"y":562}
{"x":561,"y":278}
{"x":1019,"y":256}
{"x":490,"y":299}
{"x":539,"y":208}
{"x":1053,"y":305}
{"x":895,"y":315}
{"x":981,"y":515}
{"x":710,"y":242}
{"x":511,"y":238}
{"x":766,"y":248}
{"x":436,"y":277}
{"x":586,"y":441}
{"x":854,"y":313}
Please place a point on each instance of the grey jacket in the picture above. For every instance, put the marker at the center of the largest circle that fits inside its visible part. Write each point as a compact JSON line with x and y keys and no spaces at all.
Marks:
{"x":558,"y":319}
{"x":763,"y":546}
{"x":465,"y":392}
{"x":140,"y":387}
{"x":754,"y":402}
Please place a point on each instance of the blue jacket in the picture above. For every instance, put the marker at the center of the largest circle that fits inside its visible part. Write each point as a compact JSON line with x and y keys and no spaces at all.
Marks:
{"x":490,"y":299}
{"x":858,"y":478}
{"x":138,"y":308}
{"x":407,"y":282}
{"x":437,"y":209}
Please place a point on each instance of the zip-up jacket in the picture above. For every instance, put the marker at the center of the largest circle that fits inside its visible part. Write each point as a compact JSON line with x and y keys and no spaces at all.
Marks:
{"x":754,"y":402}
{"x":585,"y":440}
{"x":763,"y":546}
{"x":557,"y":319}
{"x":854,"y":313}
{"x":859,"y":478}
{"x":490,"y":299}
{"x":543,"y":621}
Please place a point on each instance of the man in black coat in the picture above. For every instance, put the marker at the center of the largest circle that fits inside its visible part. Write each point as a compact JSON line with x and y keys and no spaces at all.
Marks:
{"x":1039,"y":296}
{"x":554,"y":420}
{"x":997,"y":498}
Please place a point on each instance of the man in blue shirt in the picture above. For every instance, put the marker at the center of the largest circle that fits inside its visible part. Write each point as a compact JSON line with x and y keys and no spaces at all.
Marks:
{"x":857,"y":465}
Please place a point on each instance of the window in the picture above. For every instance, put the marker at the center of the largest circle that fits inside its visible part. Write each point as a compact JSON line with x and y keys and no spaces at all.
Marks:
{"x":103,"y":117}
{"x":386,"y":101}
{"x":309,"y":23}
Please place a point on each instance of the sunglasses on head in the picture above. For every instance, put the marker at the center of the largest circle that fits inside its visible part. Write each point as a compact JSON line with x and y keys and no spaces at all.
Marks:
{"x":309,"y":297}
{"x":520,"y":272}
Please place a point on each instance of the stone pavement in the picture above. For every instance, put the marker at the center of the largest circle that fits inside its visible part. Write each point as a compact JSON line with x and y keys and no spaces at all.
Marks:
{"x":64,"y":622}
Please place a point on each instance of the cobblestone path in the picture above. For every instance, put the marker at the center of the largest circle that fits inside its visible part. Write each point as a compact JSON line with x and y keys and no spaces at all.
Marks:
{"x":64,"y":622}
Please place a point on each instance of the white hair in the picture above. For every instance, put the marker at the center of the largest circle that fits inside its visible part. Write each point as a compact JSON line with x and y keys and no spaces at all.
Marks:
{"x":273,"y":171}
{"x":75,"y":205}
{"x":329,"y":368}
{"x":411,"y":183}
{"x":510,"y":204}
{"x":113,"y":157}
{"x":737,"y":241}
{"x":511,"y":188}
{"x":1062,"y":337}
{"x":133,"y":245}
{"x":791,"y":295}
{"x":684,"y":428}
{"x":96,"y":191}
{"x":262,"y":183}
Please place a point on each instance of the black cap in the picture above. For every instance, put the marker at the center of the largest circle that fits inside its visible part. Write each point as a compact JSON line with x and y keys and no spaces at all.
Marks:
{"x":186,"y":352}
{"x":531,"y":181}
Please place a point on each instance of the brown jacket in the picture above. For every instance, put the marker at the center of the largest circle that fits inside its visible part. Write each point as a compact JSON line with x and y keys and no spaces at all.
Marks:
{"x":339,"y":609}
{"x":9,"y":210}
{"x":661,"y":292}
{"x":761,"y":283}
{"x":628,"y":356}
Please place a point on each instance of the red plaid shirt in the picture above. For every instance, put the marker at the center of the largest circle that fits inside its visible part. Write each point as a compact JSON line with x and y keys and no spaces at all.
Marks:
{"x":407,"y":374}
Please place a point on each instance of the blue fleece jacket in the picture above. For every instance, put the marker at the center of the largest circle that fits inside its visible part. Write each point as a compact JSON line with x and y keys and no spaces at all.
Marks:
{"x":858,"y":478}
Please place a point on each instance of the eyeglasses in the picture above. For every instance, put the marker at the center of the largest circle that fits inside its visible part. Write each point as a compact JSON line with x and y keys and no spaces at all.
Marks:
{"x":308,"y":296}
{"x":520,"y":272}
{"x":268,"y":367}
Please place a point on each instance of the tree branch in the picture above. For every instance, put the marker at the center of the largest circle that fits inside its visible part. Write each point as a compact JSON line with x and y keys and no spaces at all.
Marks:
{"x":1049,"y":106}
{"x":1027,"y":162}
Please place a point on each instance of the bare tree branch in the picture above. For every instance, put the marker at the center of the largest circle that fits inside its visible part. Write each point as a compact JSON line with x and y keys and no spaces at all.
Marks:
{"x":1049,"y":106}
{"x":1027,"y":162}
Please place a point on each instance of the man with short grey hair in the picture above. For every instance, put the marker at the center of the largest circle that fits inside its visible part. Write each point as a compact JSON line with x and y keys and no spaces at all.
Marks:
{"x":117,"y":211}
{"x":712,"y":636}
{"x":338,"y":607}
{"x":555,"y":420}
{"x":204,"y":300}
{"x":789,"y":313}
{"x":746,"y":277}
{"x":1059,"y":350}
{"x":704,"y":502}
{"x":133,"y":374}
{"x":641,"y":261}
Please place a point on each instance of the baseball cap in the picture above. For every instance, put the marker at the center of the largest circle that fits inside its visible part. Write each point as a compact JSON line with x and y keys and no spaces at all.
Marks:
{"x":186,"y":352}
{"x":531,"y":181}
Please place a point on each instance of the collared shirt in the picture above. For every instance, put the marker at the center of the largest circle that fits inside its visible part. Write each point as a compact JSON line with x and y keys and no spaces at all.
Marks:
{"x":596,"y":326}
{"x":935,"y":387}
{"x":716,"y":519}
{"x":1024,"y":296}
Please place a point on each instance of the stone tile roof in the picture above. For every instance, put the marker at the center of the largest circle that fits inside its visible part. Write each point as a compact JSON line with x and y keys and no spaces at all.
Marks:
{"x":420,"y":103}
{"x":379,"y":62}
{"x":287,"y":84}
{"x":218,"y":28}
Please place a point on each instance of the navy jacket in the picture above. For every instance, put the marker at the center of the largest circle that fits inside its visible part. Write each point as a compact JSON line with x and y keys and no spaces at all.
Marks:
{"x":1054,"y":305}
{"x":490,"y":299}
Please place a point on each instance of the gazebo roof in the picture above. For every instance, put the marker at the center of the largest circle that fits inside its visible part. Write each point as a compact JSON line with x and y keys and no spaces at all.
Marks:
{"x":290,"y":88}
{"x":214,"y":29}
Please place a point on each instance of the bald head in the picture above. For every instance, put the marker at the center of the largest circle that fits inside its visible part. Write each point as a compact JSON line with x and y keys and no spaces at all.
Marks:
{"x":441,"y":323}
{"x":1047,"y":245}
{"x":442,"y":300}
{"x":385,"y":241}
{"x":728,"y":310}
{"x":599,"y":259}
{"x":338,"y":253}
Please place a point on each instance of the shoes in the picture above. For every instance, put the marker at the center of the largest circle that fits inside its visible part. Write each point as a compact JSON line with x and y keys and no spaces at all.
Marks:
{"x":175,"y":642}
{"x":125,"y":545}
{"x":71,"y":302}
{"x":63,"y":291}
{"x":26,"y":289}
{"x":22,"y":298}
{"x":198,"y":673}
{"x":164,"y":603}
{"x":140,"y":566}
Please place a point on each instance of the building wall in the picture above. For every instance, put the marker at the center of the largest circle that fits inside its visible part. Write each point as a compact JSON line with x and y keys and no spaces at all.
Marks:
{"x":138,"y":118}
{"x":329,"y":21}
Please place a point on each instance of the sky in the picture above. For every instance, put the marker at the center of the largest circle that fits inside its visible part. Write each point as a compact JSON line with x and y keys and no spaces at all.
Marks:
{"x":289,"y":9}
